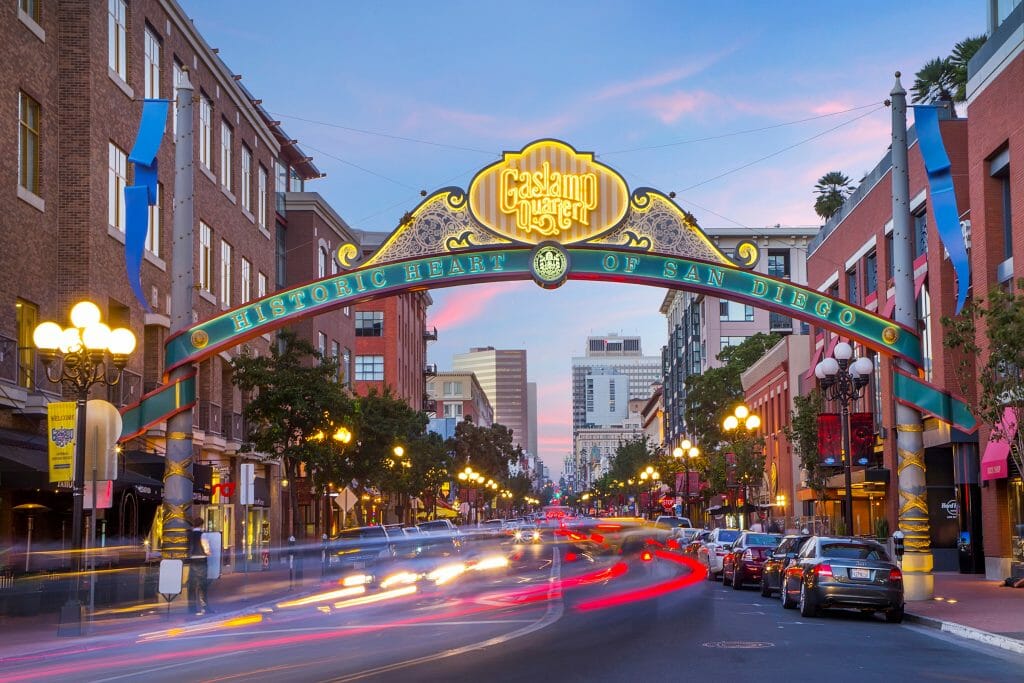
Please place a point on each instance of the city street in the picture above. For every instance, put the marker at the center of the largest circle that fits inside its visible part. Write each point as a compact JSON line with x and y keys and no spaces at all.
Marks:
{"x":543,"y":621}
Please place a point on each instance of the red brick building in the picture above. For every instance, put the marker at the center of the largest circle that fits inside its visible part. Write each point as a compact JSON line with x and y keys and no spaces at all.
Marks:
{"x":75,"y":75}
{"x":995,"y":148}
{"x":852,"y":259}
{"x":459,"y":395}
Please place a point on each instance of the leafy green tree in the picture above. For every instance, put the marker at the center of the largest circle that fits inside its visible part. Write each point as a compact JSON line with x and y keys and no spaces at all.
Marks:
{"x":802,"y":434}
{"x":832,"y":189}
{"x":293,"y":398}
{"x":632,"y":456}
{"x":489,"y":450}
{"x":997,"y":383}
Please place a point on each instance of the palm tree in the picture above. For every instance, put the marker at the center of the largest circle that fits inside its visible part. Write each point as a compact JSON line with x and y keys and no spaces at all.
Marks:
{"x":832,"y":189}
{"x":945,"y":79}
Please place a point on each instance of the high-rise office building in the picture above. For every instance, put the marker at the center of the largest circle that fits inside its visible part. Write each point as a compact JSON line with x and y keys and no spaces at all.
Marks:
{"x":502,"y":376}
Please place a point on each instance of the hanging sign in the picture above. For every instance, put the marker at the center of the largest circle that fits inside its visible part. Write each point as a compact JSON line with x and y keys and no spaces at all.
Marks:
{"x":60,"y":438}
{"x":830,"y":440}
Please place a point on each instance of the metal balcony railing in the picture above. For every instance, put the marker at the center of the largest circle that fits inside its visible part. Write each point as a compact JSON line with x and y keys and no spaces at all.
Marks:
{"x":779,"y":323}
{"x":430,"y":335}
{"x":430,"y":369}
{"x":208,"y":417}
{"x":127,"y":391}
{"x":234,"y":426}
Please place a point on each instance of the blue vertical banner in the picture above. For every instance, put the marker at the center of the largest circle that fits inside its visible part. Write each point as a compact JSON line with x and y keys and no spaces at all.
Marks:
{"x":143,"y":194}
{"x":942,"y":196}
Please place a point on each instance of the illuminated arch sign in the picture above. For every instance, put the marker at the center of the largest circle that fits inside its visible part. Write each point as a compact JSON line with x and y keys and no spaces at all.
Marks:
{"x":546,"y":213}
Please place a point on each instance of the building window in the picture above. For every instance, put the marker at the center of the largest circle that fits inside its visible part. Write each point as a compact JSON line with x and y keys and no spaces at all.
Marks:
{"x":453,"y":409}
{"x":778,"y":264}
{"x":920,"y":233}
{"x":369,"y":323}
{"x":117,"y":180}
{"x":225,"y":155}
{"x":31,"y":8}
{"x":321,"y":262}
{"x":321,"y":344}
{"x":27,"y":319}
{"x":246,"y":281}
{"x":870,"y":273}
{"x":924,"y":313}
{"x":28,"y":143}
{"x":280,"y":256}
{"x":731,"y":311}
{"x":178,"y":74}
{"x":346,"y":362}
{"x":336,"y":356}
{"x":151,"y":78}
{"x":731,"y":341}
{"x":453,"y":388}
{"x":851,"y":286}
{"x":1002,"y":176}
{"x":890,"y":257}
{"x":117,"y":37}
{"x":153,"y":234}
{"x":225,"y":274}
{"x":205,"y":257}
{"x":280,"y":178}
{"x":206,"y":132}
{"x":370,"y":368}
{"x":261,"y":286}
{"x":246,"y":184}
{"x":261,"y":198}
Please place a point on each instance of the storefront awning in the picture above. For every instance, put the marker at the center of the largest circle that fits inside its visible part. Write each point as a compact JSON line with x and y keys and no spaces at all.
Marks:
{"x":993,"y":462}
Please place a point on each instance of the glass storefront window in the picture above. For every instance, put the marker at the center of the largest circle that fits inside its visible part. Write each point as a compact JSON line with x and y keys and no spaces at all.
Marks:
{"x":1015,"y":494}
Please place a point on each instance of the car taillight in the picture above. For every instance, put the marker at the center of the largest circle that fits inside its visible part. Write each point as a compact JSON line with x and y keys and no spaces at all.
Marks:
{"x":823,"y":570}
{"x":673,"y":543}
{"x":646,"y":556}
{"x":895,"y":575}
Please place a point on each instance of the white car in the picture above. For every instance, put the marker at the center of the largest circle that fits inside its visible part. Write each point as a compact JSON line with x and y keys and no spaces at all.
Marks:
{"x":714,"y":549}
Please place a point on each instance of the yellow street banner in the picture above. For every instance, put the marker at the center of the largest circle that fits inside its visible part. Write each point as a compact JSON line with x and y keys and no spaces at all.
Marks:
{"x":60,"y":435}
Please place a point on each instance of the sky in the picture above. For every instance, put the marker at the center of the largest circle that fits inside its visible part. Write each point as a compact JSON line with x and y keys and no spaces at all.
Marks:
{"x":738,"y":107}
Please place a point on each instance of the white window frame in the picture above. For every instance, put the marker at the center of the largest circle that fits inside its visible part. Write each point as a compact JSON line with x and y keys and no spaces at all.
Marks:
{"x":321,"y":262}
{"x":177,"y":76}
{"x":261,"y":198}
{"x":373,"y":362}
{"x":226,"y":135}
{"x":29,"y":140}
{"x":117,"y":37}
{"x":205,"y":257}
{"x":261,"y":285}
{"x":246,"y":273}
{"x":151,"y":55}
{"x":206,"y":132}
{"x":117,"y":180}
{"x":226,"y":252}
{"x":153,"y":234}
{"x":246,"y":179}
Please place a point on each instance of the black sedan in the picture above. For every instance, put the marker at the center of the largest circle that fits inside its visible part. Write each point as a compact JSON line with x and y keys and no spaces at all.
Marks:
{"x":778,"y":560}
{"x":844,"y":572}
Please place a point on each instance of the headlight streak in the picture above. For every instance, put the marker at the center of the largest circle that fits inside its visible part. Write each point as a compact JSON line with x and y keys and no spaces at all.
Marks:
{"x":398,"y":579}
{"x":322,"y":597}
{"x":376,"y":597}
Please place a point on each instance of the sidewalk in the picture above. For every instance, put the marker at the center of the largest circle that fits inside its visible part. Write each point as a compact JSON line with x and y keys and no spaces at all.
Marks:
{"x":230,"y":595}
{"x":969,"y":606}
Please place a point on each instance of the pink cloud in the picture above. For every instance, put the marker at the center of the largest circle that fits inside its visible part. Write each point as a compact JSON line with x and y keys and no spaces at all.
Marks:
{"x":464,"y":304}
{"x":670,"y":108}
{"x":654,"y":81}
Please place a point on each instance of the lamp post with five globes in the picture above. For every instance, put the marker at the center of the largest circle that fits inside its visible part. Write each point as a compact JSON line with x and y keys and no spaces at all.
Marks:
{"x":687,"y":449}
{"x":844,"y":380}
{"x":88,"y":348}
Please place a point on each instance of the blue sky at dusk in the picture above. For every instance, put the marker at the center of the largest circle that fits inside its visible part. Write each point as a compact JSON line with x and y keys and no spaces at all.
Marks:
{"x":391,"y":98}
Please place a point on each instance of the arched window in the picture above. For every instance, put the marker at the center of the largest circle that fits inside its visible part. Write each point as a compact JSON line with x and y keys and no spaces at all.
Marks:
{"x":321,"y":265}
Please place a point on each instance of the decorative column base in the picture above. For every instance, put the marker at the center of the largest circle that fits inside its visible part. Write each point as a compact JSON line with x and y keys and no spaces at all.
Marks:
{"x":918,"y":580}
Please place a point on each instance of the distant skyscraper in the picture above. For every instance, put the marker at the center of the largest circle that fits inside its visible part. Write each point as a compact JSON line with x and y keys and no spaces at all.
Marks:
{"x":531,"y":416}
{"x":502,"y":376}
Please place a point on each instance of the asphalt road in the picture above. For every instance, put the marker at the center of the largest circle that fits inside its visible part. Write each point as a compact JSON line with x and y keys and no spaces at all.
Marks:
{"x":545,"y":620}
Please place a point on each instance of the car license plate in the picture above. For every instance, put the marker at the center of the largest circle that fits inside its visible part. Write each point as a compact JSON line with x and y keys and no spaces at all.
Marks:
{"x":859,"y":573}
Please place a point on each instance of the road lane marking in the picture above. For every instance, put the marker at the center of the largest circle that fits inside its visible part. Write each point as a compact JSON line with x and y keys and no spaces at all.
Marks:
{"x":171,"y":666}
{"x":553,"y":613}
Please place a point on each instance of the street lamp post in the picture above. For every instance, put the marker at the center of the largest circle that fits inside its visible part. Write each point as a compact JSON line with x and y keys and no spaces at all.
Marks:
{"x":743,"y":423}
{"x":87,"y":350}
{"x":652,"y":475}
{"x":844,"y":380}
{"x":686,"y":448}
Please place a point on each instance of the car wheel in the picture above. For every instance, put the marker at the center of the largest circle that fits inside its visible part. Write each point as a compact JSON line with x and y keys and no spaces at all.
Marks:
{"x":787,"y":602}
{"x":807,"y":608}
{"x":737,"y":579}
{"x":894,"y":616}
{"x":766,"y":592}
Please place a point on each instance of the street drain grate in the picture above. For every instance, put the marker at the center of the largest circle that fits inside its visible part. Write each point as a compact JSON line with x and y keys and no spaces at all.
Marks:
{"x":738,"y":644}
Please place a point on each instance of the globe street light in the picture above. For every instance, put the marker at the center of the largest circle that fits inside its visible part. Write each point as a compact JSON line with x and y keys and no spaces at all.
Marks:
{"x":743,"y":423}
{"x":87,"y":351}
{"x":652,"y":475}
{"x":844,"y":380}
{"x":686,"y":448}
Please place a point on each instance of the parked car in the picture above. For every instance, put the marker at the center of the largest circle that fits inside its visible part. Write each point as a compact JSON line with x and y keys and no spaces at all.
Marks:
{"x":360,"y":548}
{"x":844,"y":572}
{"x":778,"y":560}
{"x":696,"y":542}
{"x":742,"y":564}
{"x":714,"y":548}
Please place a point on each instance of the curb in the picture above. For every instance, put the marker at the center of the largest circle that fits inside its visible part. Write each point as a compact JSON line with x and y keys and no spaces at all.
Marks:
{"x":970,"y":633}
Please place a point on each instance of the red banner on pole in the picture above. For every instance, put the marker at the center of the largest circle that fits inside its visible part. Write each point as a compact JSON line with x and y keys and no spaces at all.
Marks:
{"x":830,"y":440}
{"x":862,"y":438}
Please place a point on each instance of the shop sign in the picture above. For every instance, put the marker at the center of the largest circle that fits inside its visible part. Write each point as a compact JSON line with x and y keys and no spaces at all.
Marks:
{"x":60,"y":437}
